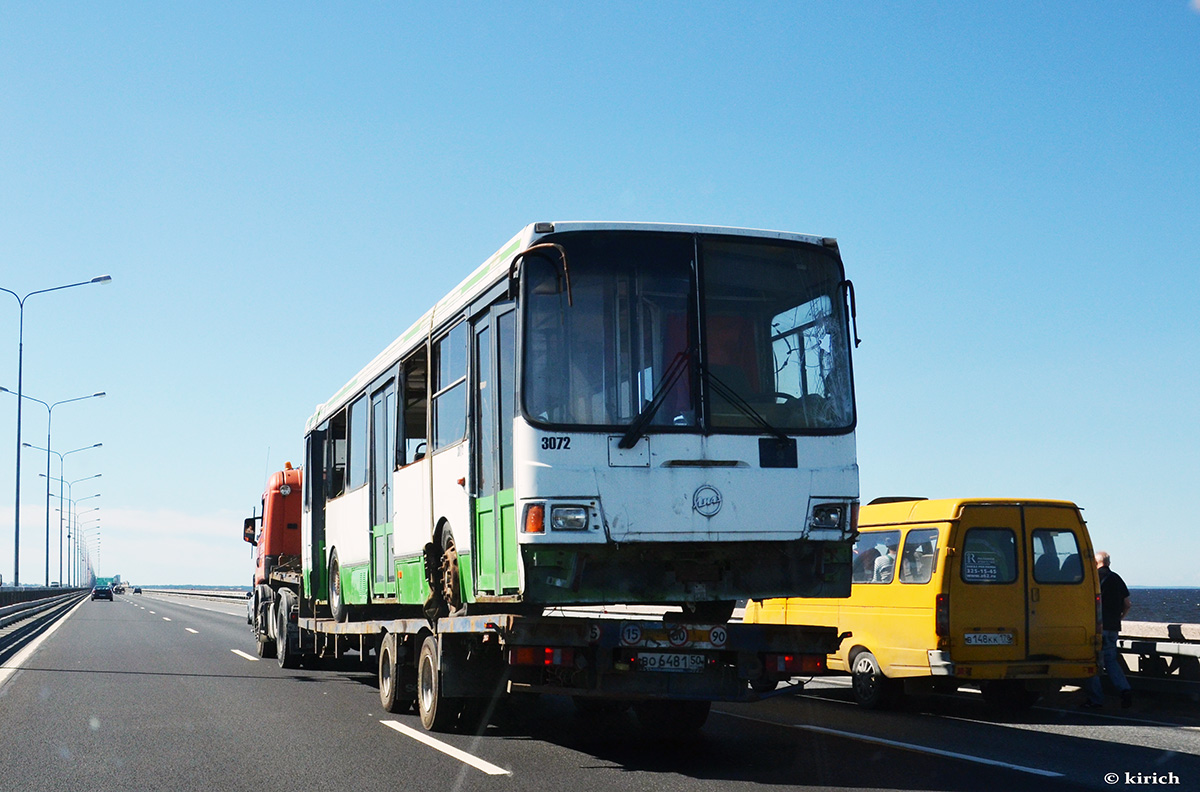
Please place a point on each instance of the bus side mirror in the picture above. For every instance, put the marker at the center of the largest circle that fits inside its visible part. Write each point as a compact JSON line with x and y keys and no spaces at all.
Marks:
{"x":248,"y":530}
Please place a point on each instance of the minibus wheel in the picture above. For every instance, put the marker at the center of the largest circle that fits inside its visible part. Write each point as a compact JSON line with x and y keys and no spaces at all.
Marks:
{"x":871,"y":688}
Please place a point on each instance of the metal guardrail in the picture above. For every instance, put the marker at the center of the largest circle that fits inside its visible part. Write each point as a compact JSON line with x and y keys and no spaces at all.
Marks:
{"x":219,"y":595}
{"x":12,"y":596}
{"x":1162,"y":657}
{"x":11,"y":614}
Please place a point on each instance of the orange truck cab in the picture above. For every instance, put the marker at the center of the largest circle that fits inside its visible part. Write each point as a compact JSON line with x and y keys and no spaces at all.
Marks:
{"x":278,"y":543}
{"x":996,"y":593}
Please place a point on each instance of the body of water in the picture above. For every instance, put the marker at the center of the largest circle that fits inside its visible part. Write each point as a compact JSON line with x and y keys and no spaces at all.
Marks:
{"x":1168,"y":605}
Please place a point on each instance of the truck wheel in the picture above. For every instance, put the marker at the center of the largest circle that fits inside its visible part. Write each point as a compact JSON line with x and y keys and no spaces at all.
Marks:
{"x":438,"y":713}
{"x":392,"y":693}
{"x":672,"y":718}
{"x":287,"y":652}
{"x":337,"y":603}
{"x":871,"y":688}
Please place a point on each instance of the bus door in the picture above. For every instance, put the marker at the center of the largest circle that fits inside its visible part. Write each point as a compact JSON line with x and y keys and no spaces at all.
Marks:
{"x":1062,"y":606}
{"x":496,"y":557}
{"x":987,"y":588}
{"x":383,"y":462}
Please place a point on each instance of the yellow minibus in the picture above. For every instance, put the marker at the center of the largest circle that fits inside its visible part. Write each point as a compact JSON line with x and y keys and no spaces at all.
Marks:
{"x":998,"y":594}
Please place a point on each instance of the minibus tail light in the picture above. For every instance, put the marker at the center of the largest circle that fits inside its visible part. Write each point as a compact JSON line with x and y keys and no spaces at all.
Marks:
{"x":941,"y":617}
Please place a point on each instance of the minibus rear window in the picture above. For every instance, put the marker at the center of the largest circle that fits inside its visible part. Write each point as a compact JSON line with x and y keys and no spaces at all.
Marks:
{"x":918,"y":562}
{"x":1056,"y":557}
{"x":989,"y":556}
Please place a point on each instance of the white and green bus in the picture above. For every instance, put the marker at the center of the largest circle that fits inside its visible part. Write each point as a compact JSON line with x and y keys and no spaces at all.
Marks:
{"x":601,"y":413}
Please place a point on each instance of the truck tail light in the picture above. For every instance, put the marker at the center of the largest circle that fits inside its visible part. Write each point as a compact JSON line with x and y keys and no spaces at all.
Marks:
{"x":794,"y":664}
{"x":941,"y":616}
{"x":541,"y":656}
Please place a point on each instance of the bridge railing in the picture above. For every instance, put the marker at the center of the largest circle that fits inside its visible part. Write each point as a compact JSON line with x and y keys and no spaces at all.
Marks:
{"x":1162,"y":657}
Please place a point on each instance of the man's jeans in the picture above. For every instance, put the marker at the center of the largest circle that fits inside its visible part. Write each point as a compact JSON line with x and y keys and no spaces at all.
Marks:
{"x":1111,"y":664}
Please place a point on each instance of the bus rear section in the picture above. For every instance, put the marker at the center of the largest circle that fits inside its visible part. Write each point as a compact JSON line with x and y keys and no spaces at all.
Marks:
{"x":994,"y":594}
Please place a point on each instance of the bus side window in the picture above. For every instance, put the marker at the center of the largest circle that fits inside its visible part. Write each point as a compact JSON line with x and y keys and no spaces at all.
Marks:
{"x":335,"y":456}
{"x":919,"y":559}
{"x":415,"y":407}
{"x":875,"y":557}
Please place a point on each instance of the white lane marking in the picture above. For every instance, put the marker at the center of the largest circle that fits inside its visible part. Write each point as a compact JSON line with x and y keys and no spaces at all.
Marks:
{"x":166,"y":619}
{"x":904,"y":746}
{"x":240,"y":653}
{"x":449,"y":750}
{"x":17,"y":660}
{"x":193,"y":632}
{"x":152,"y":613}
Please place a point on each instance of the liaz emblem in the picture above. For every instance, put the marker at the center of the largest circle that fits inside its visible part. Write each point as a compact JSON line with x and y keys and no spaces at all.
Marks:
{"x":706,"y":500}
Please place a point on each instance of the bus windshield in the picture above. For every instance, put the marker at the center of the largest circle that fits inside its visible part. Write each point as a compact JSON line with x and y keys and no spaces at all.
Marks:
{"x":773,"y":347}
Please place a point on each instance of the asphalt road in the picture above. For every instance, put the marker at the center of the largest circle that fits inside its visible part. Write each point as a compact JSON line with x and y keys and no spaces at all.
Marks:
{"x":154,"y":692}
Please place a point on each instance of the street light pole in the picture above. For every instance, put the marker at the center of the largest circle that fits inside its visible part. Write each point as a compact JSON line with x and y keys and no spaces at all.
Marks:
{"x":49,"y":419}
{"x":20,"y":384}
{"x":62,"y":464}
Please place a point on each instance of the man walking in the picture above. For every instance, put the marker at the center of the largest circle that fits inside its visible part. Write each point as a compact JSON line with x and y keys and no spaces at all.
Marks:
{"x":1114,"y":604}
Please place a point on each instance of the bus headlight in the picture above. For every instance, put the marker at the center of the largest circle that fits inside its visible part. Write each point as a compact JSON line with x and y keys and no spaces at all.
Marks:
{"x":827,"y":515}
{"x":569,"y":518}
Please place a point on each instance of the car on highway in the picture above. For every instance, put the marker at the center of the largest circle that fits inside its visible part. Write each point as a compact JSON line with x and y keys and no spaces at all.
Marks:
{"x":137,"y":590}
{"x":102,"y":592}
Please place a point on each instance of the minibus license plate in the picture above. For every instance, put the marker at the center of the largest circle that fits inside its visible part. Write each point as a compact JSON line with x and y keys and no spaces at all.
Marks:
{"x":989,"y":639}
{"x":670,"y":661}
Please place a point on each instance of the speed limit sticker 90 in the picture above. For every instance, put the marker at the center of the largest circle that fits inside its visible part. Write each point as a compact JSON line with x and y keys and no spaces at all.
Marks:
{"x":717,"y":636}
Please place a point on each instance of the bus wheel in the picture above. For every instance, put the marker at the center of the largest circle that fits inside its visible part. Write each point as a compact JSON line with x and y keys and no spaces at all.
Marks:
{"x":871,"y":688}
{"x":451,"y":583}
{"x":337,"y":603}
{"x":438,"y":713}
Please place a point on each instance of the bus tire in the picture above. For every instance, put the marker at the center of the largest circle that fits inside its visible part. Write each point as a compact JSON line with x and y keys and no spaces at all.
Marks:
{"x":871,"y":688}
{"x":448,"y":577}
{"x":438,"y":713}
{"x":337,"y":601}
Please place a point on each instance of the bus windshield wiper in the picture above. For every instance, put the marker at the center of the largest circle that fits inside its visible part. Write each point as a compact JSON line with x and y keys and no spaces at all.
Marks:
{"x":637,"y":427}
{"x":741,"y":405}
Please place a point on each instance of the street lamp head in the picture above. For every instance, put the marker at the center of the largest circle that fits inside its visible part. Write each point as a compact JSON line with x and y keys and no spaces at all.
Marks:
{"x":99,"y":395}
{"x":102,"y":279}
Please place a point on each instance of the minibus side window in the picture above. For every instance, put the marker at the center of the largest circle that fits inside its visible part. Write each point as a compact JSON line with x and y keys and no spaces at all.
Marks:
{"x":989,"y":556}
{"x":918,"y":562}
{"x":1056,"y":557}
{"x":875,"y":556}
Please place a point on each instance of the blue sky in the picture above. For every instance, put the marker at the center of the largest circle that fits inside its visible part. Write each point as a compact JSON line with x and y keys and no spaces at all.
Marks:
{"x":278,"y":190}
